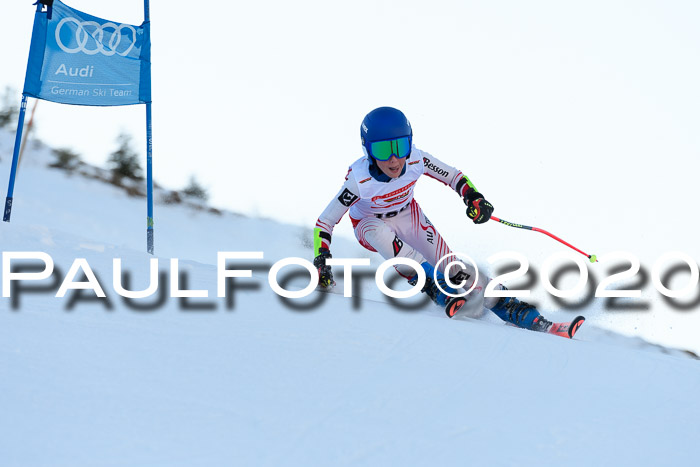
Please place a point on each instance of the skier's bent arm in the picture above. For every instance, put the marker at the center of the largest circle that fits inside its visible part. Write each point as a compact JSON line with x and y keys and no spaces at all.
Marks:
{"x":446,"y":174}
{"x":323,"y":232}
{"x":336,"y":209}
{"x":478,"y":209}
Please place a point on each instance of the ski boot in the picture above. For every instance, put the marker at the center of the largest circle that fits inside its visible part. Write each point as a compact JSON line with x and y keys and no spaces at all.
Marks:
{"x":451,"y":304}
{"x":540,"y":324}
{"x":522,"y":314}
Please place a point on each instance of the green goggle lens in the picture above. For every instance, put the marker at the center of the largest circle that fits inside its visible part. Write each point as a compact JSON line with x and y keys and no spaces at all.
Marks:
{"x":383,"y":150}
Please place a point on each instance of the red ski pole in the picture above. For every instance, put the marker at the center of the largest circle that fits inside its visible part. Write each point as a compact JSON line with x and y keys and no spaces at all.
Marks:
{"x":591,"y":258}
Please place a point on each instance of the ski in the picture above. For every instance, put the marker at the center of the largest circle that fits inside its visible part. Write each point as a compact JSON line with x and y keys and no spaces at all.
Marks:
{"x":567,"y":329}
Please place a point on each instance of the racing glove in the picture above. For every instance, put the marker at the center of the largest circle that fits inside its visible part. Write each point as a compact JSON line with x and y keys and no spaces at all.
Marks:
{"x":478,"y":209}
{"x":325,"y":276}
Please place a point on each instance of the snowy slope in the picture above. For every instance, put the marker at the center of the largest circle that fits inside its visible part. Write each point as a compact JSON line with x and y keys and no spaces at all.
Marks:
{"x":256,"y":382}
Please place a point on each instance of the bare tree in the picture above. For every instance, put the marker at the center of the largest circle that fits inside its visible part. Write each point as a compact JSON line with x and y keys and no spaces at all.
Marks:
{"x":195,"y":190}
{"x":66,"y":159}
{"x":9,"y":109}
{"x":124,"y":162}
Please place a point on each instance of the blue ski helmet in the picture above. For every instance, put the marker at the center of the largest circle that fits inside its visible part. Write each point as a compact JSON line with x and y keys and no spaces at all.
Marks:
{"x":383,"y":124}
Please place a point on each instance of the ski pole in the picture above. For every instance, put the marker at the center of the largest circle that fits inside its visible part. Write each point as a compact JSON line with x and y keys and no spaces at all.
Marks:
{"x":591,"y":258}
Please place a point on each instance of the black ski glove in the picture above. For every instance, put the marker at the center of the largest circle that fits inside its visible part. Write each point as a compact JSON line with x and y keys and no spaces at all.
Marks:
{"x":325,"y":276}
{"x":478,"y":209}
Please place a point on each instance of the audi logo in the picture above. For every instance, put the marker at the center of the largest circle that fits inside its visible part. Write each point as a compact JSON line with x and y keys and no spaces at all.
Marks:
{"x":84,"y":30}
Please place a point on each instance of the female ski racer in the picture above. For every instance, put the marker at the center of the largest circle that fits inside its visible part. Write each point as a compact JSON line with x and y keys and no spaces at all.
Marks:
{"x":378,"y":192}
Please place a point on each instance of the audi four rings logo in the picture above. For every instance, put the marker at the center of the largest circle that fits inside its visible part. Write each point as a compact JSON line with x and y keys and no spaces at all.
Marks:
{"x":84,"y":30}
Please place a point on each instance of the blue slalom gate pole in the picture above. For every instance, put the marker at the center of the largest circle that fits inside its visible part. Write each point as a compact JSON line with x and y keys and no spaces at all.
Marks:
{"x":149,"y":158}
{"x":149,"y":179}
{"x":15,"y":159}
{"x":15,"y":153}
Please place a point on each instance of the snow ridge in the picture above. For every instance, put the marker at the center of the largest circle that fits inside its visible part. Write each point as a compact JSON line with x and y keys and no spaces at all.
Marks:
{"x":250,"y":380}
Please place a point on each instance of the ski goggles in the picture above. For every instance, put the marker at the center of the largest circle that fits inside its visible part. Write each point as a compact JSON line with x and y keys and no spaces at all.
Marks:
{"x":383,"y":150}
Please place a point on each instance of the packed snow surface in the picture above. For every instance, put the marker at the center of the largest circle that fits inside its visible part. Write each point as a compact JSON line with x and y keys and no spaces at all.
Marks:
{"x":253,"y":380}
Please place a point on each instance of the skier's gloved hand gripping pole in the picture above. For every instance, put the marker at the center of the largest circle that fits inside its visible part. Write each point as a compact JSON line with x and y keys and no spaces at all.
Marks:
{"x":325,"y":275}
{"x":478,"y":209}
